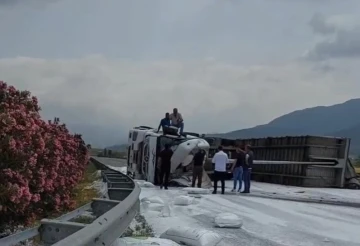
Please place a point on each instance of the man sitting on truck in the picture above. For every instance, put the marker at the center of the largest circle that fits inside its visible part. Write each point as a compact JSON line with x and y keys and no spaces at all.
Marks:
{"x":177,"y":120}
{"x":165,"y":122}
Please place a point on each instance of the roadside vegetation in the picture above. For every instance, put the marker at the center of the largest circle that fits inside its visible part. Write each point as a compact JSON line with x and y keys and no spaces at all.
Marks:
{"x":44,"y":168}
{"x":84,"y":192}
{"x":108,"y":153}
{"x":357,"y":166}
{"x":139,"y":228}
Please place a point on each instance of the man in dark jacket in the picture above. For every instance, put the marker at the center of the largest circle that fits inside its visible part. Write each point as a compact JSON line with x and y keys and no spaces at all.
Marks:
{"x":165,"y":156}
{"x":249,"y":158}
{"x":198,"y":161}
{"x":165,"y":122}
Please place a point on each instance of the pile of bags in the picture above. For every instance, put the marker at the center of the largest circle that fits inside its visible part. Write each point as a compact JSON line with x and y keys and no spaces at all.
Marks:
{"x":185,"y":235}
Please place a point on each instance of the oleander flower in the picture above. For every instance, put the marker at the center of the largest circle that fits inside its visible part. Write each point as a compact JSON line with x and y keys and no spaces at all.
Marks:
{"x":40,"y":162}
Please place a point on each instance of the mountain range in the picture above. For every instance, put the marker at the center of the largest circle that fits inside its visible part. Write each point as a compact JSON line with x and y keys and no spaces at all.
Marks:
{"x":340,"y":120}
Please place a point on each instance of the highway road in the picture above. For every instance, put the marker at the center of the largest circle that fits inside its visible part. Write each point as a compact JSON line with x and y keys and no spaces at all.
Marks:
{"x":267,"y":222}
{"x":115,"y":162}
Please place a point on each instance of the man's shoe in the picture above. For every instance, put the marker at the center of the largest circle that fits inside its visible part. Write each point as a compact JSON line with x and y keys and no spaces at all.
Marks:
{"x":161,"y":187}
{"x":214,"y":192}
{"x":166,"y":188}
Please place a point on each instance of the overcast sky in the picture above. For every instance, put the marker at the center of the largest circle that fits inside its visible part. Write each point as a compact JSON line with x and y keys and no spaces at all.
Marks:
{"x":226,"y":64}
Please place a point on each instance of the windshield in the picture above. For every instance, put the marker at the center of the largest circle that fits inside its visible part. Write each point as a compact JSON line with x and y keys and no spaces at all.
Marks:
{"x":173,"y":142}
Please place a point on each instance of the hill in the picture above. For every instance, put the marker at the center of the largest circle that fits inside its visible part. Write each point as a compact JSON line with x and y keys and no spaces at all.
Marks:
{"x":340,"y":120}
{"x":100,"y":136}
{"x":118,"y":147}
{"x":353,"y":133}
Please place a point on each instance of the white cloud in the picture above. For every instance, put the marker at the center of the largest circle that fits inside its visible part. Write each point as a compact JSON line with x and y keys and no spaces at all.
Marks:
{"x":340,"y":37}
{"x":225,"y":64}
{"x":212,"y":95}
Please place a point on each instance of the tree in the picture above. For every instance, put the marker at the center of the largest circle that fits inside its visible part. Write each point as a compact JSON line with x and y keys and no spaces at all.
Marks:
{"x":40,"y":162}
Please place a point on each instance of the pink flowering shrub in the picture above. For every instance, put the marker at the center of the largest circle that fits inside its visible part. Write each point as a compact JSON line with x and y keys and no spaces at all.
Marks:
{"x":40,"y":162}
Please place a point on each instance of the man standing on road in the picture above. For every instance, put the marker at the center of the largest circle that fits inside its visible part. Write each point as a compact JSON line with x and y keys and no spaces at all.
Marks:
{"x":165,"y":122}
{"x":220,"y":160}
{"x":165,"y":156}
{"x":237,"y":168}
{"x":249,"y":158}
{"x":177,"y":120}
{"x":198,"y":167}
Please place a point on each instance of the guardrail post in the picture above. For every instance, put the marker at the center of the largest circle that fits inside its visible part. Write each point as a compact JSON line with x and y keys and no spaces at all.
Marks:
{"x":52,"y":231}
{"x":114,"y":216}
{"x":119,"y":193}
{"x":101,"y":206}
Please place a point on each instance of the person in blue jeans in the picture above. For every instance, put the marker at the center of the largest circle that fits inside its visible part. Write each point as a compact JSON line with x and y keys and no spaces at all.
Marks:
{"x":237,"y":168}
{"x":249,"y":158}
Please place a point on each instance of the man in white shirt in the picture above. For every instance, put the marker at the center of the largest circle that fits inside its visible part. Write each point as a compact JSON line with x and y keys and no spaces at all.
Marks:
{"x":177,"y":120}
{"x":220,"y":160}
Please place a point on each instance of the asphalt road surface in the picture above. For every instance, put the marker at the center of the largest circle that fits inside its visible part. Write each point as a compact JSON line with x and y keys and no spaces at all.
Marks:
{"x":115,"y":162}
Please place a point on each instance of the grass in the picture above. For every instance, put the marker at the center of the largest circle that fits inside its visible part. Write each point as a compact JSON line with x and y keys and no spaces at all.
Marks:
{"x":139,"y":228}
{"x":114,"y":154}
{"x":95,"y":151}
{"x":82,"y":194}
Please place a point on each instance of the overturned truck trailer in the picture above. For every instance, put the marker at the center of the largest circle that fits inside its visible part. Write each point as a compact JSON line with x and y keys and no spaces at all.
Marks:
{"x":309,"y":161}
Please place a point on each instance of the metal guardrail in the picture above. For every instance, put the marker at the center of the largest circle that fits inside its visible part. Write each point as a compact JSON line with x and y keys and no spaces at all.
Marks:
{"x":113,"y":215}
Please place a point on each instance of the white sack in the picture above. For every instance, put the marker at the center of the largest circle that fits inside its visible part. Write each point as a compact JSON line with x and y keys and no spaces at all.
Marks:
{"x":155,"y":207}
{"x":195,"y":195}
{"x":139,"y":181}
{"x":191,"y":190}
{"x":150,"y":241}
{"x":192,"y":236}
{"x":144,"y":206}
{"x":153,"y":199}
{"x":143,"y":183}
{"x":165,"y":211}
{"x":183,"y":200}
{"x":228,"y":220}
{"x":148,"y":185}
{"x":99,"y":186}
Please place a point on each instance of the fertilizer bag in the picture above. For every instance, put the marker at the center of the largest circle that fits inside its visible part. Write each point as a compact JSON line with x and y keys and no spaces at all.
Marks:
{"x":150,"y":241}
{"x":228,"y":220}
{"x":183,"y":200}
{"x":192,"y":236}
